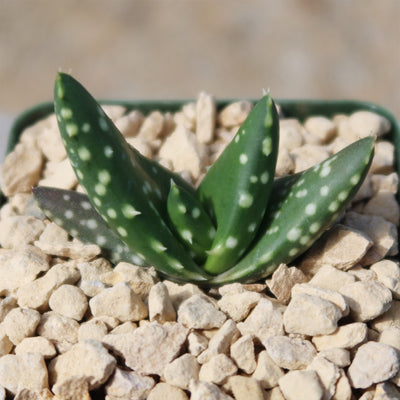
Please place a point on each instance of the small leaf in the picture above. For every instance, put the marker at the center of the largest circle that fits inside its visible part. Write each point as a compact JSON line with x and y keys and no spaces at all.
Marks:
{"x":191,"y":222}
{"x":302,"y":207}
{"x":74,"y":213}
{"x":236,"y":188}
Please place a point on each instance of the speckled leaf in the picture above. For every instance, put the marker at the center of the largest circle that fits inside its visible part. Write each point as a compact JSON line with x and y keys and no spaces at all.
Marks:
{"x":237,"y":187}
{"x":191,"y":222}
{"x":74,"y":213}
{"x":301,"y":209}
{"x":119,"y":188}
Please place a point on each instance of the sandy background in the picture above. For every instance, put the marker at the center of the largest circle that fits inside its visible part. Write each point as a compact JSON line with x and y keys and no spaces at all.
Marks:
{"x":176,"y":48}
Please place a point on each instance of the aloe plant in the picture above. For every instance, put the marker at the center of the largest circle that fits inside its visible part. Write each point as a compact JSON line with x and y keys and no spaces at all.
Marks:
{"x":238,"y":225}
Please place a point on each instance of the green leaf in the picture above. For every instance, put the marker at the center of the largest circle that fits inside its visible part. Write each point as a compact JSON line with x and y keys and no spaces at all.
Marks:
{"x":236,"y":188}
{"x":302,"y":208}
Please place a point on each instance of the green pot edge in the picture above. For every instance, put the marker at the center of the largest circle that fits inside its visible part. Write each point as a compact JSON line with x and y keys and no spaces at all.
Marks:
{"x":291,"y":108}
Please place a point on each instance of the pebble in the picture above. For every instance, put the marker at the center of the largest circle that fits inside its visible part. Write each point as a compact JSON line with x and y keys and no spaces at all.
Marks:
{"x":311,"y":315}
{"x":321,"y":127}
{"x":164,"y":391}
{"x":346,"y":337}
{"x":69,"y":301}
{"x":181,"y":371}
{"x":120,"y":302}
{"x":290,"y":353}
{"x":197,"y":312}
{"x":388,"y":319}
{"x":385,"y":205}
{"x":217,"y":369}
{"x":367,"y":123}
{"x":301,"y":385}
{"x":37,"y":344}
{"x":160,"y":304}
{"x":238,"y":305}
{"x":93,"y":329}
{"x":244,"y":388}
{"x":373,"y":363}
{"x":267,"y":373}
{"x":242,"y":353}
{"x":367,"y":300}
{"x":290,"y":134}
{"x":60,"y":175}
{"x":206,"y":111}
{"x":207,"y":390}
{"x":328,"y":277}
{"x":336,"y":355}
{"x":388,"y":273}
{"x":234,"y":114}
{"x":88,"y":359}
{"x":264,"y":321}
{"x":128,"y":385}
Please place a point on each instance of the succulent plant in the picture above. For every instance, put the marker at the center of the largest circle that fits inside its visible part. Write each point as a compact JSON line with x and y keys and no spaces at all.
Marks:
{"x":238,"y":225}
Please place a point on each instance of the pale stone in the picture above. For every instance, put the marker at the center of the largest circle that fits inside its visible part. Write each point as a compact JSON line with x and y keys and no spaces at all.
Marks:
{"x":36,"y":294}
{"x":385,"y":183}
{"x":391,"y":336}
{"x":290,"y":134}
{"x":88,"y":359}
{"x":128,"y":385}
{"x":238,"y":305}
{"x":301,"y":385}
{"x":267,"y":372}
{"x":244,"y":388}
{"x":274,"y":394}
{"x":129,"y":124}
{"x":21,"y":169}
{"x":290,"y":353}
{"x":390,"y":318}
{"x":141,"y":146}
{"x":308,"y":155}
{"x":50,"y":142}
{"x":184,"y":152}
{"x":199,"y":313}
{"x":91,"y":276}
{"x":207,"y":390}
{"x":178,"y":293}
{"x":365,"y":191}
{"x":113,"y":111}
{"x":221,"y":341}
{"x":382,"y":233}
{"x":373,"y":363}
{"x":160,"y":305}
{"x":181,"y":371}
{"x":386,"y":391}
{"x":126,"y":327}
{"x":311,"y":315}
{"x":264,"y":321}
{"x":36,"y":344}
{"x":15,"y":205}
{"x":217,"y":369}
{"x":205,"y":117}
{"x":321,"y":127}
{"x":69,"y":301}
{"x":343,"y":388}
{"x":137,"y":348}
{"x":362,"y":274}
{"x":328,"y":374}
{"x":93,"y":329}
{"x":331,"y":278}
{"x":164,"y":391}
{"x":6,"y":305}
{"x":346,"y":336}
{"x":5,"y":343}
{"x":336,"y":355}
{"x":197,"y":343}
{"x":368,"y":123}
{"x":234,"y":113}
{"x":367,"y":300}
{"x":20,"y":266}
{"x":383,"y":160}
{"x":59,"y":175}
{"x":284,"y":163}
{"x":152,"y":127}
{"x":120,"y":302}
{"x":76,"y":387}
{"x":54,"y":241}
{"x":282,"y":281}
{"x":19,"y":230}
{"x":25,"y":371}
{"x":20,"y":323}
{"x":331,"y":295}
{"x":58,"y":329}
{"x":341,"y":247}
{"x":384,"y":204}
{"x":388,"y":273}
{"x":243,"y":353}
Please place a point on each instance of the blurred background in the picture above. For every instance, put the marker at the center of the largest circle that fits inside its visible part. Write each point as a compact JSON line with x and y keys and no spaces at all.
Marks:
{"x":154,"y":49}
